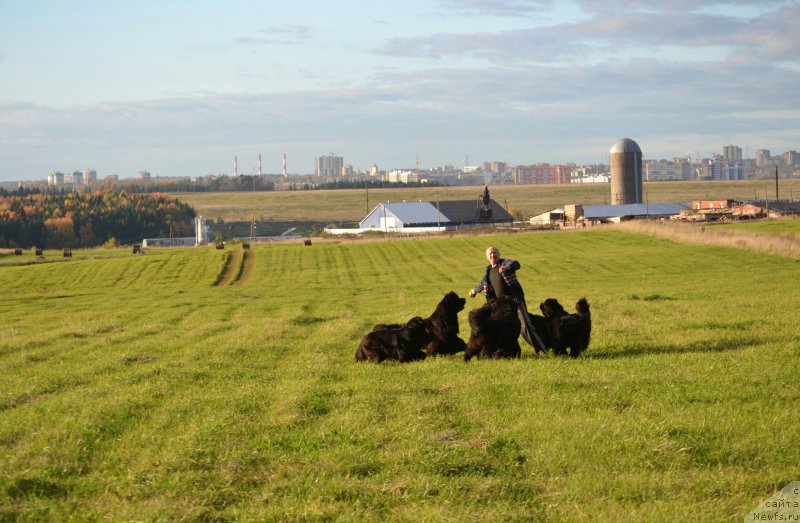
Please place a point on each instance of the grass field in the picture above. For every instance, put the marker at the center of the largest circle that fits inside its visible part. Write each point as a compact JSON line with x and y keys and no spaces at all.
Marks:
{"x":172,"y":386}
{"x":353,"y":205}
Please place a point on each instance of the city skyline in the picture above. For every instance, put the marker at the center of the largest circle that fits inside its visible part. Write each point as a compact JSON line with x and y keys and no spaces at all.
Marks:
{"x":179,"y":91}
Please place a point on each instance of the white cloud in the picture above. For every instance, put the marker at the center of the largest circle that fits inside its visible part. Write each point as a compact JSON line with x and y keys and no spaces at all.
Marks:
{"x":566,"y":91}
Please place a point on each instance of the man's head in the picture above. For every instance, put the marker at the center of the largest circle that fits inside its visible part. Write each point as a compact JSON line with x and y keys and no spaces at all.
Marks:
{"x":493,"y":255}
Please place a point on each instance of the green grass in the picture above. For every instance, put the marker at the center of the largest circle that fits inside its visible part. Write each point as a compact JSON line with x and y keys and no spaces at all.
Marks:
{"x":135,"y":389}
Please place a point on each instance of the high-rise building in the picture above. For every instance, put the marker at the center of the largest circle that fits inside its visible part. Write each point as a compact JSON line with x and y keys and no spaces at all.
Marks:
{"x":791,"y":158}
{"x":328,"y":165}
{"x":732,"y":153}
{"x":499,"y":167}
{"x":55,"y":179}
{"x":733,"y":171}
{"x":658,"y":170}
{"x":89,"y":177}
{"x":683,"y":168}
{"x":763,"y":158}
{"x":732,"y":167}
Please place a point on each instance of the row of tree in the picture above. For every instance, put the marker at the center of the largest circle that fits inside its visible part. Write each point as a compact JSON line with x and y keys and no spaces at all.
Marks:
{"x":85,"y":220}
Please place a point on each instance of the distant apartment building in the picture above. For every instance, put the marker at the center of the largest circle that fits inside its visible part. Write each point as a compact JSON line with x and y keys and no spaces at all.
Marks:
{"x":402,"y":176}
{"x":658,"y":170}
{"x":541,"y":174}
{"x":683,"y":168}
{"x":89,"y":177}
{"x":734,"y":171}
{"x":55,"y":179}
{"x":499,"y":167}
{"x":347,"y":170}
{"x":791,"y":158}
{"x":763,"y":158}
{"x":495,"y":167}
{"x":732,"y":153}
{"x":722,"y":169}
{"x":667,"y":170}
{"x":143,"y":175}
{"x":328,"y":165}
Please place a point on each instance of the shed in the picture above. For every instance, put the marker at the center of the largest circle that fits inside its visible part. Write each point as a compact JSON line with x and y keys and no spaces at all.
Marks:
{"x":630,"y":211}
{"x":774,"y":209}
{"x":549,"y":217}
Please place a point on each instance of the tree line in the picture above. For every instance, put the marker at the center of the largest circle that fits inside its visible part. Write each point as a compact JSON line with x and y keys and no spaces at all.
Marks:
{"x":86,"y":220}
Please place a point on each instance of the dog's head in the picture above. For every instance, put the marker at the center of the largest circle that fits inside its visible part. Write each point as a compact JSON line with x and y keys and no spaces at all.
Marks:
{"x":582,"y":307}
{"x":452,"y":302}
{"x":551,"y":308}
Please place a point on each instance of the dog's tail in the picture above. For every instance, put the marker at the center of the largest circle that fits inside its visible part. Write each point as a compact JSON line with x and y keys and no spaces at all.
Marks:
{"x":582,"y":307}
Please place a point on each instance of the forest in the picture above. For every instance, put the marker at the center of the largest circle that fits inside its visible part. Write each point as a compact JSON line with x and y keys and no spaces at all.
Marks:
{"x":56,"y":221}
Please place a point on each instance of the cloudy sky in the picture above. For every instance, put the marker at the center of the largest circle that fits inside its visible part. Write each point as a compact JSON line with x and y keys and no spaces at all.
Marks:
{"x":178,"y":88}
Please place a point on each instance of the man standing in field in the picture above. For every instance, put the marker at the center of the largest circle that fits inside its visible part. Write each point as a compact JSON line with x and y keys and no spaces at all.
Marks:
{"x":500,"y":279}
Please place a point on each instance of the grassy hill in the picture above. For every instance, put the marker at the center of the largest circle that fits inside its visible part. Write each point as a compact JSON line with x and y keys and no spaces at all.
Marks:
{"x":196,"y":384}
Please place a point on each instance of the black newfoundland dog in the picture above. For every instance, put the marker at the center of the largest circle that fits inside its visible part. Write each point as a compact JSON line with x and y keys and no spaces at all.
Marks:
{"x":442,"y":326}
{"x":565,"y":330}
{"x":494,"y":330}
{"x":401,"y":343}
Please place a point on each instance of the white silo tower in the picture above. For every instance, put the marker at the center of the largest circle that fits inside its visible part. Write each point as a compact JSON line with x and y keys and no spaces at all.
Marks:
{"x":200,"y":231}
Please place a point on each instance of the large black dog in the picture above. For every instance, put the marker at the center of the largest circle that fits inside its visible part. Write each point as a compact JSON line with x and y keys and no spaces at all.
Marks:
{"x":567,"y":331}
{"x":442,"y":326}
{"x":494,"y":330}
{"x":403,"y":343}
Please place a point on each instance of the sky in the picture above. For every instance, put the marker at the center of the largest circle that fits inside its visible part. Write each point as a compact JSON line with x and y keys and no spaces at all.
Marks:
{"x":179,"y":88}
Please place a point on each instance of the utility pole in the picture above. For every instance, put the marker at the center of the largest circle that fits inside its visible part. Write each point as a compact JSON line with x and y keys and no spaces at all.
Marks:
{"x":438,"y":221}
{"x":776,"y":184}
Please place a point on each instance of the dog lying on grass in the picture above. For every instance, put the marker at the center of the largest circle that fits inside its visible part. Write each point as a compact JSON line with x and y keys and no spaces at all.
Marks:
{"x":567,"y":331}
{"x":442,"y":326}
{"x":494,"y":330}
{"x":403,"y":343}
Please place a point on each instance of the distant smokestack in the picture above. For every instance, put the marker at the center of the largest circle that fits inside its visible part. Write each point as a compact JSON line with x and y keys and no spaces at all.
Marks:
{"x":284,"y":164}
{"x":259,"y":166}
{"x":235,"y":166}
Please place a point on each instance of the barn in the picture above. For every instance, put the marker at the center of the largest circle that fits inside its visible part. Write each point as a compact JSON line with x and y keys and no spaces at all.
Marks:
{"x":425,"y":217}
